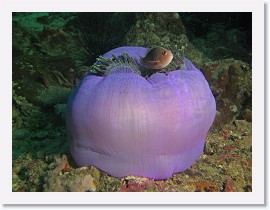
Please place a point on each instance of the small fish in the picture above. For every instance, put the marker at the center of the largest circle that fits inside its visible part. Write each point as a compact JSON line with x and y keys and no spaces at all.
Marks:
{"x":157,"y":58}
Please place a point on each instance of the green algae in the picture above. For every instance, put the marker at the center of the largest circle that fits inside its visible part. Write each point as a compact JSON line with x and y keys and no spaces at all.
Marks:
{"x":36,"y":21}
{"x":29,"y":21}
{"x":54,"y":95}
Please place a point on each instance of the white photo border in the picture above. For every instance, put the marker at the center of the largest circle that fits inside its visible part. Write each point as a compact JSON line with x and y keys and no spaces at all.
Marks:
{"x":257,"y":196}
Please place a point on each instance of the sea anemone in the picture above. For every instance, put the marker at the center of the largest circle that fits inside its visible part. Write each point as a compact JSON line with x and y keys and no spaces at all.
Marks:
{"x":125,"y":124}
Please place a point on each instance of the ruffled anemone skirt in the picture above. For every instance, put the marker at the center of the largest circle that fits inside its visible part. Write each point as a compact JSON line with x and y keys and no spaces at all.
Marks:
{"x":125,"y":124}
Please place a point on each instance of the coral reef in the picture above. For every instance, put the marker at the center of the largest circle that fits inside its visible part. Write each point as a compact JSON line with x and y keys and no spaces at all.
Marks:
{"x":28,"y":174}
{"x":231,"y":83}
{"x":65,"y":179}
{"x":163,"y":29}
{"x":43,"y":54}
{"x":34,"y":130}
{"x":48,"y":55}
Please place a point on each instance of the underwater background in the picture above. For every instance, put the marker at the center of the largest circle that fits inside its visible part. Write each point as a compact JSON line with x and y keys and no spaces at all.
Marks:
{"x":51,"y":52}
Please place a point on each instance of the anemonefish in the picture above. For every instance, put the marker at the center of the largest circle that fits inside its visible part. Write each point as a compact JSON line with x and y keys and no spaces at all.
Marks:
{"x":157,"y":58}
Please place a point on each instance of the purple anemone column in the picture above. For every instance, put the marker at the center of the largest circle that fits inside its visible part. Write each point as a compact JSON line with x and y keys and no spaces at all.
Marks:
{"x":125,"y":124}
